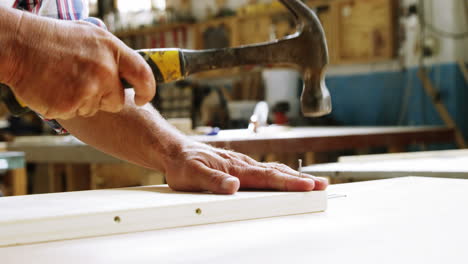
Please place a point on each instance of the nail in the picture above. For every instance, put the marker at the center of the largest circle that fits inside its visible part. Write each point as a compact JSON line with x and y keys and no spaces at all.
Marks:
{"x":321,"y":179}
{"x":300,"y":168}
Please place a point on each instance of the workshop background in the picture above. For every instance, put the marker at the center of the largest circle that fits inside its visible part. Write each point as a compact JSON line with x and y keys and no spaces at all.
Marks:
{"x":397,"y":72}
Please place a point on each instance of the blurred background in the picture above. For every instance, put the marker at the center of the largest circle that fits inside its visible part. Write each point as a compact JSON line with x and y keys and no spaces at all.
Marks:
{"x":397,"y":65}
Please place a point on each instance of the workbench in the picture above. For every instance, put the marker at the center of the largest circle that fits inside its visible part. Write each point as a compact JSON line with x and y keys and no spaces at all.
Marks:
{"x":67,"y":149}
{"x":74,"y":156}
{"x":323,"y":139}
{"x":447,"y":164}
{"x":404,"y":220}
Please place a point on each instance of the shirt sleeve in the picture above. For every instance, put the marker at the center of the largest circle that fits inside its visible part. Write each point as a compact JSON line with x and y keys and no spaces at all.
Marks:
{"x":68,"y":10}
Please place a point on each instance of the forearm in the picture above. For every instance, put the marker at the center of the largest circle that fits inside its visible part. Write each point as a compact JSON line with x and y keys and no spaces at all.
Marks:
{"x":140,"y":135}
{"x":137,"y":134}
{"x":9,"y":23}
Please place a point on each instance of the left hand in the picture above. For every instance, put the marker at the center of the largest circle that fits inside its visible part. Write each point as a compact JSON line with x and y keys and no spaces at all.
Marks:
{"x":200,"y":167}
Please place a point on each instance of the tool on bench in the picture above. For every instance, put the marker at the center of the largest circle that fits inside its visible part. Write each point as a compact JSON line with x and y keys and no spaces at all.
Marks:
{"x":305,"y":50}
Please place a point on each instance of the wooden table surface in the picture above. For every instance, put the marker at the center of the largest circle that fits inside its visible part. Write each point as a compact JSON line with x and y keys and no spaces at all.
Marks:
{"x":295,"y":140}
{"x":405,"y":220}
{"x":447,"y":164}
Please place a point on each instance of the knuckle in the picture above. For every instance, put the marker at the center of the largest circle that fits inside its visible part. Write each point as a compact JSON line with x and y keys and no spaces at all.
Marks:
{"x":87,"y":91}
{"x":116,"y":109}
{"x":48,"y":114}
{"x":215,"y":179}
{"x":64,"y":108}
{"x":270,"y":171}
{"x":112,"y":104}
{"x":225,"y":155}
{"x":83,"y":112}
{"x":237,"y":170}
{"x":279,"y":167}
{"x":105,"y":72}
{"x":282,"y":167}
{"x":97,"y":69}
{"x":82,"y":23}
{"x":248,"y":159}
{"x":91,"y":114}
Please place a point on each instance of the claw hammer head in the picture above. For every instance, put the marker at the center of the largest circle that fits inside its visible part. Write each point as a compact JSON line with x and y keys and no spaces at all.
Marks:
{"x":309,"y":53}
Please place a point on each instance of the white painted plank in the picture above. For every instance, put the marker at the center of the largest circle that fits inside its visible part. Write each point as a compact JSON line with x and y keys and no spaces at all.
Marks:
{"x":447,"y":164}
{"x":442,"y":154}
{"x":406,"y":220}
{"x":51,"y":217}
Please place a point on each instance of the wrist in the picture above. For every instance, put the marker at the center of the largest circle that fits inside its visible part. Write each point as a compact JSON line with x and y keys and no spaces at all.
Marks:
{"x":162,"y":145}
{"x":175,"y":151}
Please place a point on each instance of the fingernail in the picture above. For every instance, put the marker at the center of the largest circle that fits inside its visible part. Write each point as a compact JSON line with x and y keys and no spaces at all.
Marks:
{"x":309,"y":180}
{"x":230,"y":184}
{"x":311,"y":184}
{"x":323,"y":180}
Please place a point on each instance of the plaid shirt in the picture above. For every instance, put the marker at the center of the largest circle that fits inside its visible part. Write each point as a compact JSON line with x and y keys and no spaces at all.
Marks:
{"x":59,"y":9}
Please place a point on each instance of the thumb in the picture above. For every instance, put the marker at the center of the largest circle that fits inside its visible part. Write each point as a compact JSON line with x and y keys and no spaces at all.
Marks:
{"x":218,"y":182}
{"x":137,"y":72}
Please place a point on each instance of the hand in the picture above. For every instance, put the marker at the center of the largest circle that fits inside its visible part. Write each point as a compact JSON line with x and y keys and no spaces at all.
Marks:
{"x":65,"y":69}
{"x":203,"y":168}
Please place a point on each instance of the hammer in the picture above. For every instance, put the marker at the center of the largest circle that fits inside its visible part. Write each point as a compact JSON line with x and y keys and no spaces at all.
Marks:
{"x":306,"y":50}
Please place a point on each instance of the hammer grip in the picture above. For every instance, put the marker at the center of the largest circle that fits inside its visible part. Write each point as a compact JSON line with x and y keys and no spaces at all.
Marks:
{"x":166,"y":65}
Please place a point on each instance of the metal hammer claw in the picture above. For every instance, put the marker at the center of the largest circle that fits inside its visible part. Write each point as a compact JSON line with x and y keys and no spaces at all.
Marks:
{"x":306,"y":50}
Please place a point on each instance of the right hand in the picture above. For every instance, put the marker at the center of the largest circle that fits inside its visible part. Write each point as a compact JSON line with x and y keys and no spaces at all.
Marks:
{"x":64,"y":69}
{"x":198,"y":167}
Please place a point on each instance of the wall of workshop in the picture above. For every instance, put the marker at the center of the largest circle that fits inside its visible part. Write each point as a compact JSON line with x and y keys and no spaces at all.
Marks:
{"x":200,"y":7}
{"x":390,"y":93}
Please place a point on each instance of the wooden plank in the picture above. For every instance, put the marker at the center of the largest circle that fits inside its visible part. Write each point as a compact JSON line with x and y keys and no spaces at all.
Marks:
{"x":430,"y":167}
{"x":294,"y":140}
{"x":443,"y":154}
{"x":447,"y":164}
{"x":50,"y":217}
{"x":410,"y":220}
{"x":321,"y":139}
